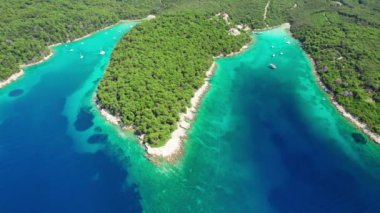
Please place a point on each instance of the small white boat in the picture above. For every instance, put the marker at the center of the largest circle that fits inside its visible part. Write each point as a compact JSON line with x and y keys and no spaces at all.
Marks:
{"x":273,"y":55}
{"x":71,"y":50}
{"x":102,"y":52}
{"x":272,"y":66}
{"x":288,"y":42}
{"x":81,"y":56}
{"x":281,"y":53}
{"x":272,"y":46}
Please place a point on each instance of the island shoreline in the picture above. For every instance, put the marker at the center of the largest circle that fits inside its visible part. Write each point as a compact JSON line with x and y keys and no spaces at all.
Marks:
{"x":16,"y":76}
{"x":348,"y":116}
{"x":173,"y":148}
{"x":351,"y":118}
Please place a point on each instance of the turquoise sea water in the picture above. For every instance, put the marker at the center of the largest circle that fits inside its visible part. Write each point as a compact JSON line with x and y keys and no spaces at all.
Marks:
{"x":46,"y":163}
{"x":264,"y":141}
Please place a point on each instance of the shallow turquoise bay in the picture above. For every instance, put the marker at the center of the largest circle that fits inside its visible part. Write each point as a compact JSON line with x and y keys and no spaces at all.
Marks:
{"x":264,"y":141}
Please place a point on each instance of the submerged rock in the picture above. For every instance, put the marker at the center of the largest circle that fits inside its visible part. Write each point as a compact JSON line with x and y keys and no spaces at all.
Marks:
{"x":16,"y":92}
{"x":359,"y":138}
{"x":98,"y":129}
{"x":84,"y":120}
{"x":97,"y":138}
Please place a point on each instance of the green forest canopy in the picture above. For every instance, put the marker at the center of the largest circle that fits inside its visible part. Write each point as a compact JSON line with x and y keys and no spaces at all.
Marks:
{"x":342,"y":36}
{"x":344,"y":42}
{"x":27,"y":27}
{"x":156,"y":68}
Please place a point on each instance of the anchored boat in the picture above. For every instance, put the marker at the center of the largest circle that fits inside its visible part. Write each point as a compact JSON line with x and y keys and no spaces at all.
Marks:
{"x":272,"y":66}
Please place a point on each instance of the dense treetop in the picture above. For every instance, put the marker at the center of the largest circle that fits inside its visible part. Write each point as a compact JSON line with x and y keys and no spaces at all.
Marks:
{"x":27,"y":27}
{"x":342,"y":36}
{"x":344,"y":41}
{"x":156,"y":68}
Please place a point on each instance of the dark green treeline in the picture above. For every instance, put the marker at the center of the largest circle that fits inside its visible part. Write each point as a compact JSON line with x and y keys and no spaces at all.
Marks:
{"x":27,"y":27}
{"x":156,"y":68}
{"x":342,"y":36}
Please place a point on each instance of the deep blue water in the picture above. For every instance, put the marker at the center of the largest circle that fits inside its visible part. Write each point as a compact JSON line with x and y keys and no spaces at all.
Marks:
{"x":306,"y":157}
{"x":269,"y":141}
{"x":40,"y":168}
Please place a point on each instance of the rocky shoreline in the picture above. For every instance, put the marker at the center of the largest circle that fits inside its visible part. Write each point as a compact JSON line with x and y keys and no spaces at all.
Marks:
{"x":360,"y":125}
{"x":16,"y":76}
{"x":173,"y":148}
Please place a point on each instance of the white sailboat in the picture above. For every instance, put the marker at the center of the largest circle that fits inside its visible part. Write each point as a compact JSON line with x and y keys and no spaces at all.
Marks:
{"x":272,"y":66}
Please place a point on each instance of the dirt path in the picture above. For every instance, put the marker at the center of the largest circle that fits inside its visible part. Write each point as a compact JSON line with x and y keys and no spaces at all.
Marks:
{"x":265,"y":12}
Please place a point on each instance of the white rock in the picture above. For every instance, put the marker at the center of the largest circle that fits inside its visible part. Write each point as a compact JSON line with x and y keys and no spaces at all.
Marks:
{"x":234,"y":32}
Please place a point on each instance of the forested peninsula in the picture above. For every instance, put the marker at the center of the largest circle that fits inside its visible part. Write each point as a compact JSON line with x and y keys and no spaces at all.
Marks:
{"x":27,"y":27}
{"x":158,"y":66}
{"x":341,"y":36}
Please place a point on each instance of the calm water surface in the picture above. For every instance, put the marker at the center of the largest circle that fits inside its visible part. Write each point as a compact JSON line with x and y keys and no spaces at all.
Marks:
{"x":44,"y":167}
{"x":264,"y":141}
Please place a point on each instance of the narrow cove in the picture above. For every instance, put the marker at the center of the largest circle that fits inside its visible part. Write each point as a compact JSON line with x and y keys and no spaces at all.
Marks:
{"x":264,"y":140}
